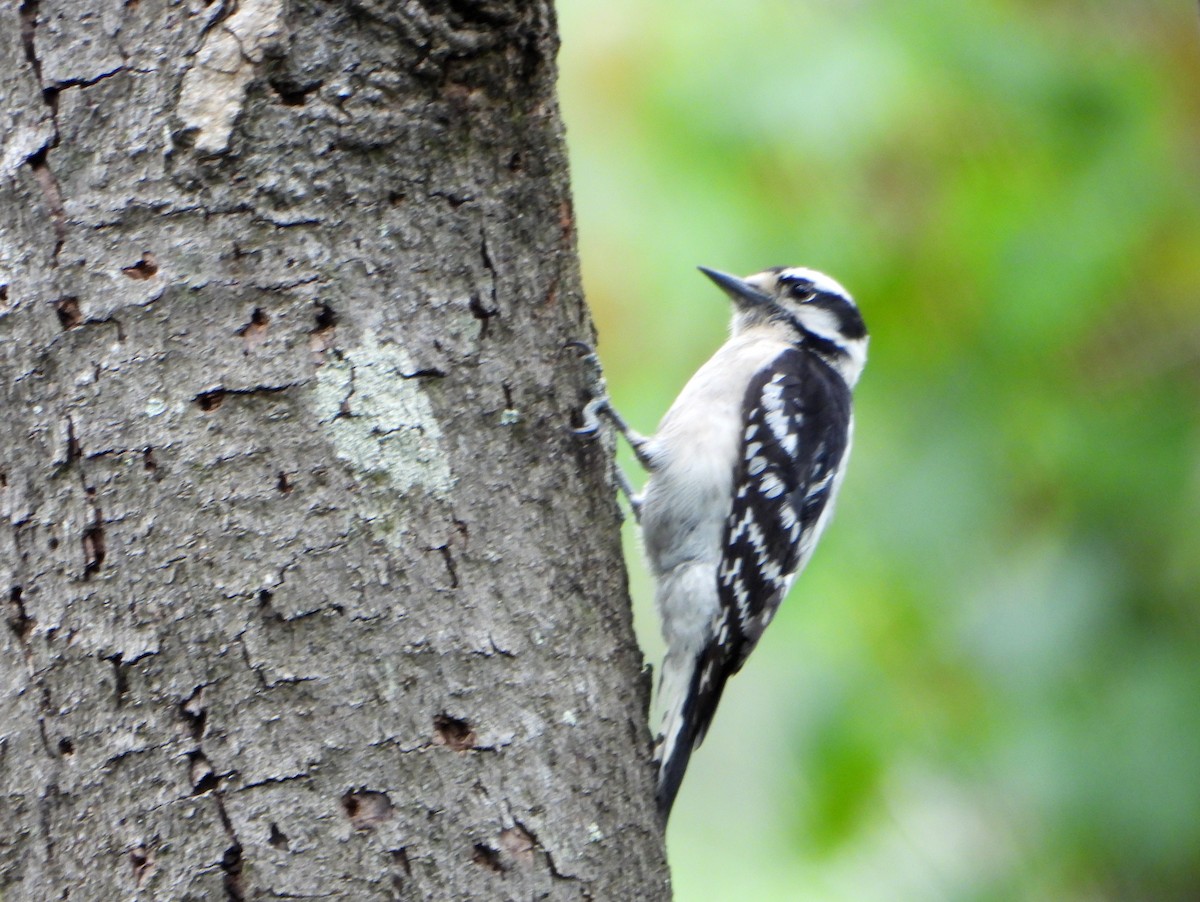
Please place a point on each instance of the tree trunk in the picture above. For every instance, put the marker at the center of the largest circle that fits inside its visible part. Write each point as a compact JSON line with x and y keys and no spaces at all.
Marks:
{"x":310,"y":591}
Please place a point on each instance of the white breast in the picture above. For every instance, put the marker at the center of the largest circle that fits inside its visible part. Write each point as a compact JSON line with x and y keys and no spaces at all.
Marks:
{"x":687,"y":499}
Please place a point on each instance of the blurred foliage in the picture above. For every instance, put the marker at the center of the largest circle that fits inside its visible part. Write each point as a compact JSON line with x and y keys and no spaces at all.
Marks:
{"x":987,"y":685}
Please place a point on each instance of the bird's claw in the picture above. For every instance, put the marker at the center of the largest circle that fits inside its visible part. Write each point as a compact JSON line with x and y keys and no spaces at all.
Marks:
{"x":590,"y":415}
{"x":576,"y":345}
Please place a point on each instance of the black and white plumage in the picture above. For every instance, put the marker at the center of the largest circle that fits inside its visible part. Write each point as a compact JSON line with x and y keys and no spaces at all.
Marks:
{"x":744,"y":469}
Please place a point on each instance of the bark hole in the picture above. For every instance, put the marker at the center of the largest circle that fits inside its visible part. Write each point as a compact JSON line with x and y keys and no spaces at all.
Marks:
{"x":120,"y":678}
{"x":320,"y":337}
{"x":292,"y":92}
{"x":203,"y":777}
{"x":19,"y":621}
{"x":453,"y":200}
{"x":74,"y":451}
{"x":518,"y":843}
{"x":143,"y":269}
{"x":68,"y":312}
{"x":149,"y":464}
{"x":326,"y":319}
{"x":254,"y":333}
{"x":483,"y":314}
{"x":93,"y":550}
{"x":66,"y":747}
{"x":366,"y":808}
{"x":210,"y":400}
{"x":231,"y":864}
{"x":141,"y":861}
{"x":400,"y":860}
{"x":278,"y":839}
{"x":453,"y":733}
{"x":194,"y":714}
{"x":487,"y":857}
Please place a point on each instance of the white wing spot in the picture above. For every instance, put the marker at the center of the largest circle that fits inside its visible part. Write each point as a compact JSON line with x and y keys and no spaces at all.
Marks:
{"x":743,"y":599}
{"x":787,"y":516}
{"x":817,"y":487}
{"x":754,"y":534}
{"x":791,"y":441}
{"x":772,"y":486}
{"x":770,"y":571}
{"x":782,"y":426}
{"x":730,"y":570}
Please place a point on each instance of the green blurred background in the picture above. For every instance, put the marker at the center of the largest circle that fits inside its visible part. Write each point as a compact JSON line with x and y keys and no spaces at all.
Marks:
{"x":987,"y":684}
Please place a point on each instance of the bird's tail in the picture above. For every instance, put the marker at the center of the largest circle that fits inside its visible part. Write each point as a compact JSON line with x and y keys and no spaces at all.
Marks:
{"x":689,"y":690}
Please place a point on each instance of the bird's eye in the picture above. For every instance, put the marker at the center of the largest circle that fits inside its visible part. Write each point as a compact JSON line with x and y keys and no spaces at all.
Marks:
{"x":802,"y":290}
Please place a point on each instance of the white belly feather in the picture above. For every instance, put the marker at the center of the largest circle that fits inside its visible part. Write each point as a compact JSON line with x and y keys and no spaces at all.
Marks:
{"x":688,"y":497}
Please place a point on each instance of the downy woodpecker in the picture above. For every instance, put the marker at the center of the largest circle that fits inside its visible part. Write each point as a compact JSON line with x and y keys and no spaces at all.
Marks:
{"x":744,"y":469}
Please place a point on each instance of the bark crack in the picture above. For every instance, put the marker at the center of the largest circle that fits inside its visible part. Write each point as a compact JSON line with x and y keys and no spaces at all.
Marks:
{"x":205,"y":779}
{"x":448,"y":561}
{"x":22,"y":624}
{"x":94,"y":80}
{"x":28,"y":13}
{"x":269,"y":781}
{"x":121,"y":673}
{"x":94,"y":544}
{"x":51,"y":193}
{"x":478,"y":310}
{"x":213,"y":398}
{"x":44,"y":821}
{"x":257,"y":669}
{"x":231,"y":861}
{"x":38,"y":162}
{"x":19,"y":621}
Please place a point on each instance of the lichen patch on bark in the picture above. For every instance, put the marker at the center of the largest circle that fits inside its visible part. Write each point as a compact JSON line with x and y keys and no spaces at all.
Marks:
{"x":370,"y":404}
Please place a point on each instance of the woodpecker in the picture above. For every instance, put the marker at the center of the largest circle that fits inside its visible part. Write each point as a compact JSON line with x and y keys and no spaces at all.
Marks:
{"x":744,"y":469}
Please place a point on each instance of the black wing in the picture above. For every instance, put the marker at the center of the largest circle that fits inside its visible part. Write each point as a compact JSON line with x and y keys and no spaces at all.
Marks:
{"x":796,"y":432}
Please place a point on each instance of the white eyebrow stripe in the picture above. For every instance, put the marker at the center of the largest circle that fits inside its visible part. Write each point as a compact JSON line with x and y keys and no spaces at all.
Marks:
{"x":820,"y":281}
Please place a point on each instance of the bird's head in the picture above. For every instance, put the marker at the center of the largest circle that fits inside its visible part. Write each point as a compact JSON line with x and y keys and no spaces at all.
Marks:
{"x":813,"y":308}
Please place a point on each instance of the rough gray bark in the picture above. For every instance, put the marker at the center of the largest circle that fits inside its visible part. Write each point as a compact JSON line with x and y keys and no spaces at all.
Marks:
{"x":310,"y":593}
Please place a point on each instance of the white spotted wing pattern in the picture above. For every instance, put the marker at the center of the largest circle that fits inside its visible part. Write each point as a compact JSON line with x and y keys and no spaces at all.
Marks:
{"x":797,"y":432}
